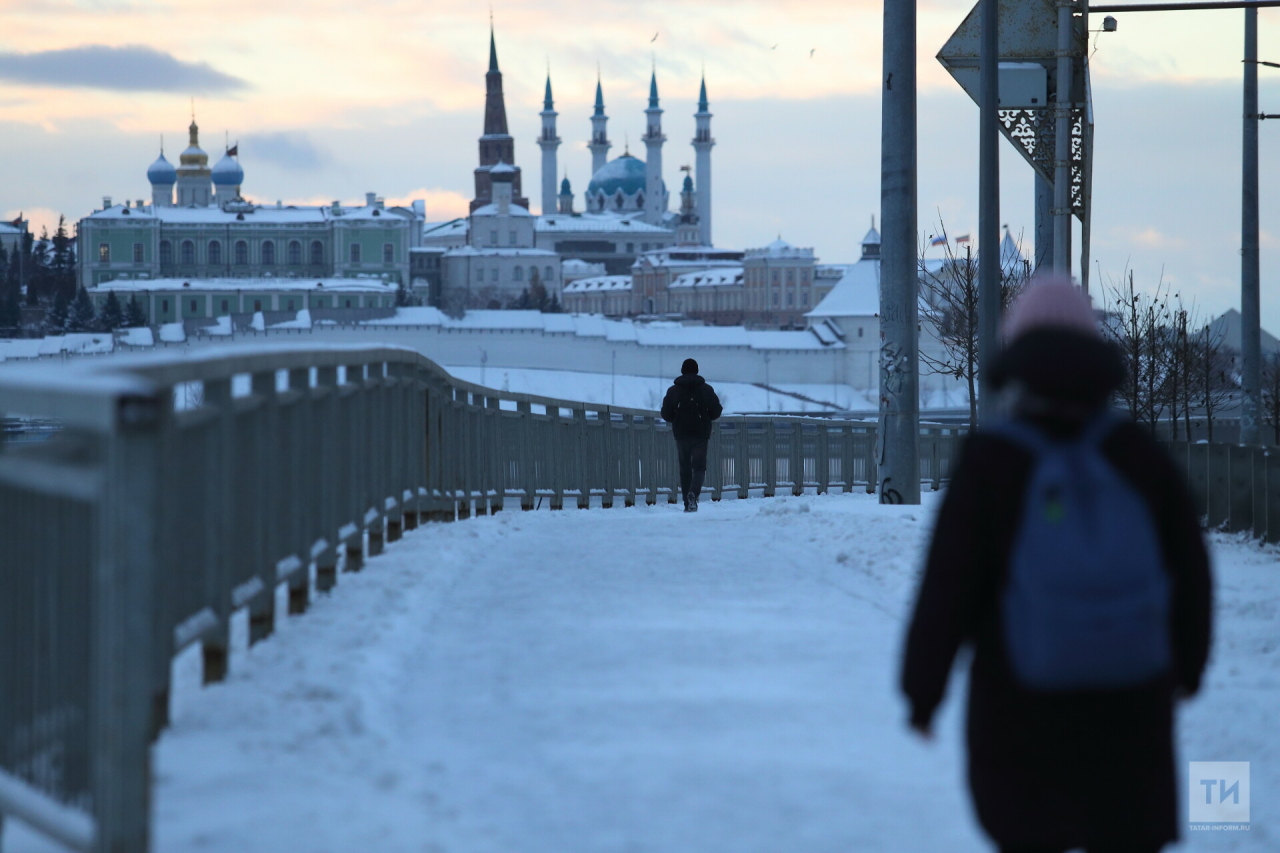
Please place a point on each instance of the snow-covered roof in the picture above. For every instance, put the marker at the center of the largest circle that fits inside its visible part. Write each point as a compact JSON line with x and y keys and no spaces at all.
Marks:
{"x":492,"y":210}
{"x":263,"y":214}
{"x":779,"y":249}
{"x":601,"y":222}
{"x":342,"y":285}
{"x":716,"y":277}
{"x":599,"y":283}
{"x":576,"y":265}
{"x":435,"y":229}
{"x":462,"y":251}
{"x":598,"y":326}
{"x":856,"y":294}
{"x":9,"y":229}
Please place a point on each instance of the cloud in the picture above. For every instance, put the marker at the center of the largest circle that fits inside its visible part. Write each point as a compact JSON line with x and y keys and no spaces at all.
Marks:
{"x":132,"y":68}
{"x":294,"y":151}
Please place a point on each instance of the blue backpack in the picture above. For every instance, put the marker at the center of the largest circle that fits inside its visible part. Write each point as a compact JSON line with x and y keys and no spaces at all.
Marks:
{"x":1086,"y":601}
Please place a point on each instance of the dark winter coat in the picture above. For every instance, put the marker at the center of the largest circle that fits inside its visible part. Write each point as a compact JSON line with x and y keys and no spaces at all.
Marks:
{"x":685,"y":384}
{"x":1061,"y":770}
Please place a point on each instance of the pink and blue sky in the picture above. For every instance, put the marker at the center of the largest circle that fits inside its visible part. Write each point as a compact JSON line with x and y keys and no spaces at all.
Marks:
{"x":331,"y":99}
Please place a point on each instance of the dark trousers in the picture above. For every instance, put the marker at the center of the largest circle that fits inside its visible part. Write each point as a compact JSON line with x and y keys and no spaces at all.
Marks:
{"x":693,"y":464}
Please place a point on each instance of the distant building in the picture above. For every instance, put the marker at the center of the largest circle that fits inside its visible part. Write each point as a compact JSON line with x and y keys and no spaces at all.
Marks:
{"x":654,"y":271}
{"x":603,"y":294}
{"x":199,"y":226}
{"x":174,"y":300}
{"x":779,"y":284}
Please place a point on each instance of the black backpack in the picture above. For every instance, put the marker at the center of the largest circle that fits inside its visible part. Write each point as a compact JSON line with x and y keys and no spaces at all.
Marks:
{"x":691,"y":414}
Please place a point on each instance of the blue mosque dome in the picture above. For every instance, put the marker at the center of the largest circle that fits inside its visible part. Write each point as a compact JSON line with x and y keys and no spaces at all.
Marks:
{"x":688,"y":184}
{"x":624,"y":173}
{"x":227,"y":173}
{"x":162,"y":173}
{"x":564,"y":186}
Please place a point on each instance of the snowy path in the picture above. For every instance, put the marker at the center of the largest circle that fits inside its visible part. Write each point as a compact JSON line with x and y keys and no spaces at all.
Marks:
{"x":631,"y":680}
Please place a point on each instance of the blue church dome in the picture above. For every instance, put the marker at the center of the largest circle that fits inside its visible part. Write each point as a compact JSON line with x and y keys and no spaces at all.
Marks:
{"x":624,"y":173}
{"x":228,"y":172}
{"x":161,"y":173}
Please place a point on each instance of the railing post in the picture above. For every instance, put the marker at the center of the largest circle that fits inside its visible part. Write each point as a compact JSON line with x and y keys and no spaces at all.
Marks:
{"x":301,"y":508}
{"x":715,"y":462}
{"x":327,"y":557}
{"x":580,"y":457}
{"x":120,"y":671}
{"x":216,"y":642}
{"x":770,"y":458}
{"x":527,"y":467}
{"x":497,"y":454}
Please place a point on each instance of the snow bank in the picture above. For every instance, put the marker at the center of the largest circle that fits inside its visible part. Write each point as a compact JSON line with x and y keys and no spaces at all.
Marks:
{"x":173,"y":333}
{"x":139,"y":337}
{"x":301,"y":321}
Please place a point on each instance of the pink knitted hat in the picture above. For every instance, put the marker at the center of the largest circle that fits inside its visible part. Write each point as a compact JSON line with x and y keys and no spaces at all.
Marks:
{"x":1051,"y":300}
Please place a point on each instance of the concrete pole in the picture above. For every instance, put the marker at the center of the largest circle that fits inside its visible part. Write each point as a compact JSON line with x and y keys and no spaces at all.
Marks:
{"x":898,"y":449}
{"x":1044,"y":225}
{"x":1062,"y":144}
{"x":1250,"y":308}
{"x":988,"y":204}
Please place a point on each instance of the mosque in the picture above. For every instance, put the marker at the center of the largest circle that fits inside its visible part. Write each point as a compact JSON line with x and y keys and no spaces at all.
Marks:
{"x":489,"y":254}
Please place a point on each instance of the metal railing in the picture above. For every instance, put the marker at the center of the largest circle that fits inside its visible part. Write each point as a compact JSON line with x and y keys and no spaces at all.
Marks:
{"x":1234,"y":487}
{"x":182,"y":488}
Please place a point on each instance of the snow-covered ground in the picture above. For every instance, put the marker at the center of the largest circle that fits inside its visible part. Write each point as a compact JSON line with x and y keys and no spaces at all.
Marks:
{"x":646,"y":392}
{"x":633,"y":680}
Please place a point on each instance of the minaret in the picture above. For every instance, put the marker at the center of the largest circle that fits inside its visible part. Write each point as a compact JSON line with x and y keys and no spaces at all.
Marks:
{"x":600,"y":144}
{"x":566,"y":196}
{"x":655,"y":194}
{"x":496,"y":146}
{"x":548,"y":142}
{"x":702,"y":142}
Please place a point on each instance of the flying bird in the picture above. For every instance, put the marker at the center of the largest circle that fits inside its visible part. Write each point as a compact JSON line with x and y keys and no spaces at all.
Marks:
{"x":811,"y":53}
{"x":655,"y":38}
{"x":775,"y":47}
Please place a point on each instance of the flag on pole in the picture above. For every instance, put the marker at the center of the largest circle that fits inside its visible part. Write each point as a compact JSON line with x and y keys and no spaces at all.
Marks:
{"x":234,"y":150}
{"x":17,"y":223}
{"x":963,"y":238}
{"x":940,"y":240}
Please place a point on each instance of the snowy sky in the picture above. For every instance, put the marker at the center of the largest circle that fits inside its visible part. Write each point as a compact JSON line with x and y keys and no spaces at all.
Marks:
{"x":387,"y":95}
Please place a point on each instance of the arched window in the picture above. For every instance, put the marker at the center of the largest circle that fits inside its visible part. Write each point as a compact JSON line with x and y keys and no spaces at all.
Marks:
{"x":355,"y":253}
{"x":617,"y":200}
{"x":166,"y":252}
{"x":317,"y":253}
{"x":388,"y":253}
{"x":242,"y":253}
{"x":639,"y":199}
{"x":215,"y":252}
{"x":295,"y":253}
{"x":268,"y":253}
{"x":518,"y":273}
{"x":188,"y":252}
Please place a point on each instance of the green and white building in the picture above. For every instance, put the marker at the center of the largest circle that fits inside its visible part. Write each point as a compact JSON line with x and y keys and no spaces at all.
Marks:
{"x":211,"y":232}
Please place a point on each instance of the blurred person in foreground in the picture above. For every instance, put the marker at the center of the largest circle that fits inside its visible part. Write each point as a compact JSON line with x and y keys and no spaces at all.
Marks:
{"x":690,"y":406}
{"x":1067,"y":552}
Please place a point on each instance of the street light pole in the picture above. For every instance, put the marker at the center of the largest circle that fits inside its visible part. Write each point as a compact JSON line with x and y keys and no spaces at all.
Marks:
{"x":1062,"y":143}
{"x":1250,"y":274}
{"x":898,"y":452}
{"x":988,"y":203}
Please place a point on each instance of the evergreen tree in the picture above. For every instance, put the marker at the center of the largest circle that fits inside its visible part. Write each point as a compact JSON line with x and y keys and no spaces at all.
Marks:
{"x":82,"y":317}
{"x":133,"y":316}
{"x":20,"y":266}
{"x":38,"y":272}
{"x":55,"y":319}
{"x":112,"y":313}
{"x":62,"y":268}
{"x":4,"y":269}
{"x":10,"y":314}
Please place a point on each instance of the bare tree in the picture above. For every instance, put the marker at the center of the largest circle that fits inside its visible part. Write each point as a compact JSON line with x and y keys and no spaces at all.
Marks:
{"x":1215,"y":380}
{"x":1141,"y":325}
{"x":1271,"y":393}
{"x":949,"y":307}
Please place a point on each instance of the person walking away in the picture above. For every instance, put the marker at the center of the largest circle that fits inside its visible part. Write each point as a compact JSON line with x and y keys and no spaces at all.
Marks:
{"x":1068,"y":555}
{"x":690,"y":406}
